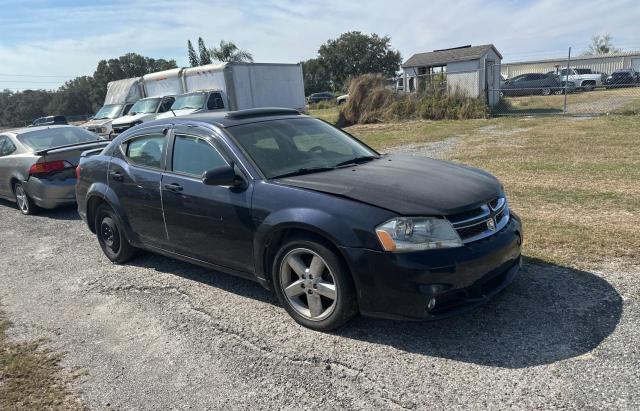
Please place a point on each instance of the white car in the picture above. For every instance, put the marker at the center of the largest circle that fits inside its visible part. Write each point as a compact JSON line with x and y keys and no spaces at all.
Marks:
{"x":583,"y":78}
{"x":145,"y":109}
{"x":342,"y":99}
{"x":101,"y":123}
{"x":196,"y":102}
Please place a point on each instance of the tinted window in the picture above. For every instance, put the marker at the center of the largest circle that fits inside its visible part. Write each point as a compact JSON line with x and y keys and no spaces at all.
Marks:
{"x":56,"y":137}
{"x":215,"y":102}
{"x":146,"y":151}
{"x":6,"y":146}
{"x":166,"y":104}
{"x":194,"y":156}
{"x":126,"y":109}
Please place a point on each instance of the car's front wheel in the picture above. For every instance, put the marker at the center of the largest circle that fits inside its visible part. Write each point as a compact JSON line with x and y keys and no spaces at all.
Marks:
{"x":24,"y":202}
{"x":313,"y":284}
{"x":111,"y":237}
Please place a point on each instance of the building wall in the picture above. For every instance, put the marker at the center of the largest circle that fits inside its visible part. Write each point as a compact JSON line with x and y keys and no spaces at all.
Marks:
{"x":464,"y":77}
{"x":603,"y":64}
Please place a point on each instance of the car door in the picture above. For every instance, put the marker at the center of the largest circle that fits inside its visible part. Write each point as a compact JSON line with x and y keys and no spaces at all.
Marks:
{"x":7,"y":165}
{"x":208,"y":223}
{"x":135,"y":173}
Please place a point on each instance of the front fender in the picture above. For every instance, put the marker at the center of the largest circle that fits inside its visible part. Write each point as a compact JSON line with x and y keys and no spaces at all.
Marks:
{"x":308,"y":219}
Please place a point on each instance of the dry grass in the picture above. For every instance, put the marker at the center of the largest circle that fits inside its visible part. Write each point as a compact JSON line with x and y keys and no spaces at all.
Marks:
{"x":30,"y":376}
{"x":328,"y":114}
{"x":575,"y":182}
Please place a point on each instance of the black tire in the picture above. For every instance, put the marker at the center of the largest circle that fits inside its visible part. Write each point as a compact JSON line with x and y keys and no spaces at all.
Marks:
{"x":545,"y":91}
{"x":589,"y":87}
{"x":345,"y":305}
{"x":111,"y":237}
{"x":23,"y":201}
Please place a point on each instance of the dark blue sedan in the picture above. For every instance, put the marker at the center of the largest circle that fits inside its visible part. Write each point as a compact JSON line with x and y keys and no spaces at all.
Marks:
{"x":305,"y":209}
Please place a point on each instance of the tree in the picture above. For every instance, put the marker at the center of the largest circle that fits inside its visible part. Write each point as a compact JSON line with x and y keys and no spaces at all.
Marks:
{"x":354,"y":53}
{"x":73,"y":98}
{"x":205,"y":57}
{"x":316,"y":76}
{"x":193,"y":57}
{"x":602,"y":45}
{"x":230,"y":53}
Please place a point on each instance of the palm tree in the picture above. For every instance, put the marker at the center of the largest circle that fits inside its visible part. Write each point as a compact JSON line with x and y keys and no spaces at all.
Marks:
{"x":230,"y":53}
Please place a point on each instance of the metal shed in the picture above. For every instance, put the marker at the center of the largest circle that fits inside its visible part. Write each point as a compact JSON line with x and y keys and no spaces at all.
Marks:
{"x":469,"y":70}
{"x":605,"y":63}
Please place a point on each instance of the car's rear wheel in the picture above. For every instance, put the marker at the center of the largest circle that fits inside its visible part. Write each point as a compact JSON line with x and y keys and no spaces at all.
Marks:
{"x":546,"y":91}
{"x":24,"y":202}
{"x":589,"y":86}
{"x":313,"y":285}
{"x":111,"y":237}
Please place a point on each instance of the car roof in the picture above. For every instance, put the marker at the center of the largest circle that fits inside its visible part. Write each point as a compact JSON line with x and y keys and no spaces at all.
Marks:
{"x":17,"y":131}
{"x":233,"y":118}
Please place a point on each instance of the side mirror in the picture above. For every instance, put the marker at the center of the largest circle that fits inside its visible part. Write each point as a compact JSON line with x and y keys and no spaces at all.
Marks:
{"x":222,"y":176}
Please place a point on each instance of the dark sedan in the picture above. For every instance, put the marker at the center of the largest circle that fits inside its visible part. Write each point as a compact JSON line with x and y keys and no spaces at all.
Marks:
{"x":318,"y":97}
{"x":329,"y":224}
{"x":534,"y":83}
{"x":623,"y":78}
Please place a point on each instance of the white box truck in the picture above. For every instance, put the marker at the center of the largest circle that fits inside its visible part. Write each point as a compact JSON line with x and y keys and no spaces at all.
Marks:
{"x":239,"y":86}
{"x":121,"y":95}
{"x":159,"y":90}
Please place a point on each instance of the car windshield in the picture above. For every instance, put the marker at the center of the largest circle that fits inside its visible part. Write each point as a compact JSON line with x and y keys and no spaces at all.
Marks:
{"x":56,"y":137}
{"x":299,"y":146}
{"x":145,"y":106}
{"x":187,"y":101}
{"x":110,"y":111}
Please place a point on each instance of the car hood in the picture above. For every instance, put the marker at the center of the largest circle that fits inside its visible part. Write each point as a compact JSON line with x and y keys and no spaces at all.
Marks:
{"x":406,"y":185}
{"x":96,"y":123}
{"x":130,"y":119}
{"x":183,"y":112}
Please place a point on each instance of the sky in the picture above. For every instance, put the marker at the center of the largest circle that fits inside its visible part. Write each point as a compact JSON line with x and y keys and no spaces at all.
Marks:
{"x":43,"y":43}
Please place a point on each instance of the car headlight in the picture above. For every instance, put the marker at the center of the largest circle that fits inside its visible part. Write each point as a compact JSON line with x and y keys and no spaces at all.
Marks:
{"x":404,"y":234}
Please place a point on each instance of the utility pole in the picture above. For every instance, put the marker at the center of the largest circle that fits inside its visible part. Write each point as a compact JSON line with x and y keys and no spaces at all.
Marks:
{"x":566,"y":82}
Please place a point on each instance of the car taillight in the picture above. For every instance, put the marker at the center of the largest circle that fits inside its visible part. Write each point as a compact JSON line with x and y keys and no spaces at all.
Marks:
{"x":49,"y":167}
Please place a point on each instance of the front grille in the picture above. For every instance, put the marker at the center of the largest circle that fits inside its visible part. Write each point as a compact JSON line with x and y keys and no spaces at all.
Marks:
{"x":474,"y":225}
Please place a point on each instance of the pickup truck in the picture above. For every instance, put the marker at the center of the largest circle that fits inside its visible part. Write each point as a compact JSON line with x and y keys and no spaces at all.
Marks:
{"x":583,"y":78}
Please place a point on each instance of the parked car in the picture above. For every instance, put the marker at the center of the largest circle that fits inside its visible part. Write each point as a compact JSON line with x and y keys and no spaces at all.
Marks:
{"x":143,"y":110}
{"x":623,"y":78}
{"x":582,"y":78}
{"x":342,"y":99}
{"x":101,"y":122}
{"x":332,"y":226}
{"x":533,"y":83}
{"x":37,"y":165}
{"x":196,"y":102}
{"x":318,"y":97}
{"x":49,"y":121}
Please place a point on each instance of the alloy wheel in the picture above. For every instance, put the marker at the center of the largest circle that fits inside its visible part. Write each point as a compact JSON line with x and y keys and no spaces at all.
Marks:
{"x":21,"y":199}
{"x":308,"y":284}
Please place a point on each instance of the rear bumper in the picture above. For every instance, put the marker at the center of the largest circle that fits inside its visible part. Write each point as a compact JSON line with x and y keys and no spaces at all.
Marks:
{"x":400,"y":286}
{"x":51,"y":193}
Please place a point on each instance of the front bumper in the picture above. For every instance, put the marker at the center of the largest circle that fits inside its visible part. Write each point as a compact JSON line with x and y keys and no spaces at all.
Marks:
{"x":50,"y":194}
{"x":400,"y":285}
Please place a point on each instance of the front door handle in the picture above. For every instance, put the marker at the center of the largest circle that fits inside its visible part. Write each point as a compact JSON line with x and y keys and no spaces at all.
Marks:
{"x":173,"y":187}
{"x":116,"y":175}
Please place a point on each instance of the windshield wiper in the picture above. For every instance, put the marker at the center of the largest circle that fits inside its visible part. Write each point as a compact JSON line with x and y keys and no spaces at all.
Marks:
{"x":357,"y":160}
{"x":304,"y":170}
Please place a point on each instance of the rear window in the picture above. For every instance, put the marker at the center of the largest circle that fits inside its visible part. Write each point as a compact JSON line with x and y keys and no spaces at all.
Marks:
{"x":56,"y":137}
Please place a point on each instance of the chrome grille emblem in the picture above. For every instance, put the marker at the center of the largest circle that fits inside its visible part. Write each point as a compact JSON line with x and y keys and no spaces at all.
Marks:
{"x":491,"y":224}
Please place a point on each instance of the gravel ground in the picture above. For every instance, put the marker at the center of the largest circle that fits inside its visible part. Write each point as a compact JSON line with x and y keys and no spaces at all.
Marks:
{"x":160,"y":334}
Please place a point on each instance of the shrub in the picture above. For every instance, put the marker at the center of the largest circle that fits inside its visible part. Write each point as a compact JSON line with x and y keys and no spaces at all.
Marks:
{"x":370,"y":102}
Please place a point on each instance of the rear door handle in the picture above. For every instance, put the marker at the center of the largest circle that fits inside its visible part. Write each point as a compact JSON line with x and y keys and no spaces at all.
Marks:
{"x":173,"y":187}
{"x":116,"y":175}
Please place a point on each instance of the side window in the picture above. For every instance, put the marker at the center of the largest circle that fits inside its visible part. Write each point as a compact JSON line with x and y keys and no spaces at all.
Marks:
{"x":215,"y":102}
{"x":6,"y":146}
{"x":166,"y":104}
{"x":146,"y":151}
{"x":194,"y":156}
{"x":126,"y":109}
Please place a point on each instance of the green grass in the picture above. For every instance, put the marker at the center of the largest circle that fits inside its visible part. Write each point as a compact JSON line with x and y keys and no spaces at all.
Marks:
{"x":327,"y":114}
{"x":575,"y":182}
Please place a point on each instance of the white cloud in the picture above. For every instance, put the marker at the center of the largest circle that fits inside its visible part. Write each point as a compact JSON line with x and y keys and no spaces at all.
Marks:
{"x":70,"y":40}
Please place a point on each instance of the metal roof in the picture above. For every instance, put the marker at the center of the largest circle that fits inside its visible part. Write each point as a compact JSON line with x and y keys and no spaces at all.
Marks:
{"x":443,"y":57}
{"x":577,"y":58}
